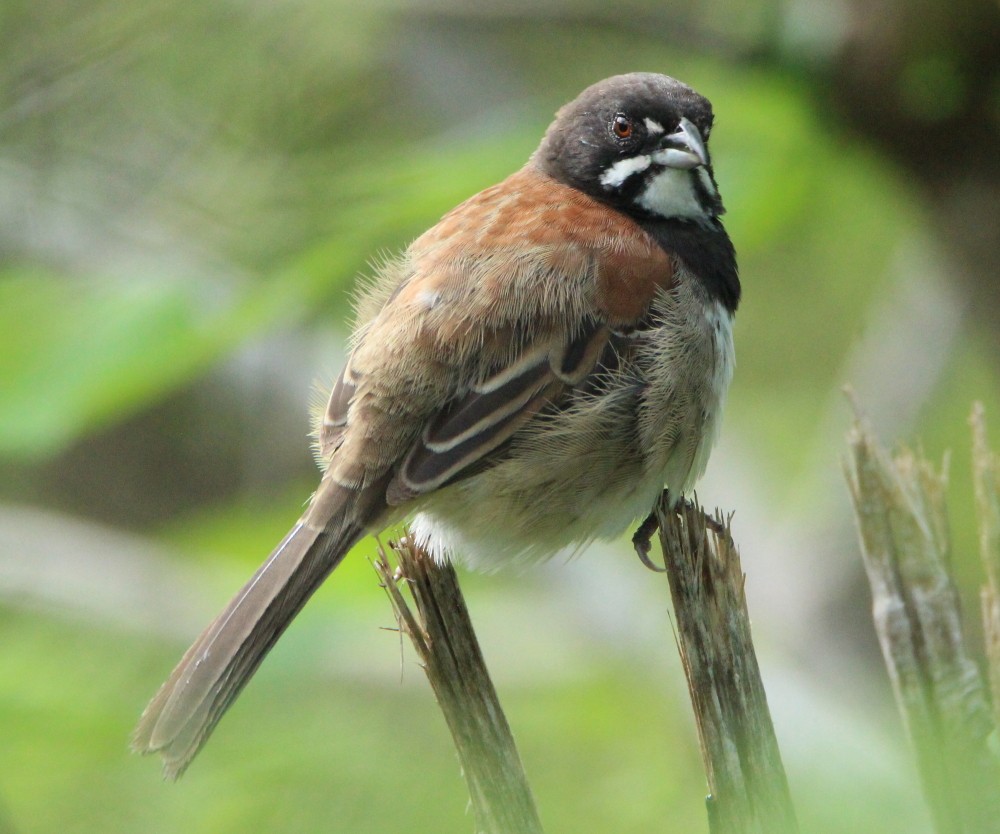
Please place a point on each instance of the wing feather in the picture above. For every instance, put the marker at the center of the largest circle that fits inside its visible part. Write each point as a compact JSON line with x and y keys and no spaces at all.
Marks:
{"x":514,"y":300}
{"x":467,"y":435}
{"x":331,"y":429}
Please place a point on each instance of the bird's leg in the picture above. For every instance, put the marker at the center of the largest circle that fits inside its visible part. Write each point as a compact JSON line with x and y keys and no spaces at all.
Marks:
{"x":644,"y":535}
{"x":642,"y":538}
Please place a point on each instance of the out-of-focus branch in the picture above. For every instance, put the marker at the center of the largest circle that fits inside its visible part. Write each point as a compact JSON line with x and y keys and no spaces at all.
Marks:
{"x":916,"y":79}
{"x":986,"y":476}
{"x":746,"y":778}
{"x":442,"y":634}
{"x":900,"y":509}
{"x":85,"y":570}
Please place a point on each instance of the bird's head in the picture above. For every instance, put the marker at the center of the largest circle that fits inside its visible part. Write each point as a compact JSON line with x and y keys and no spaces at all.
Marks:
{"x":640,"y":143}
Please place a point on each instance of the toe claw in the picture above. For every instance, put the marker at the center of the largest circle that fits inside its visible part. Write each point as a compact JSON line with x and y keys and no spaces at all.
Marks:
{"x":641,"y":542}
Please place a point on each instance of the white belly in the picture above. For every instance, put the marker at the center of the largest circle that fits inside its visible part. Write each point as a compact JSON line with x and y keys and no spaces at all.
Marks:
{"x":591,"y":471}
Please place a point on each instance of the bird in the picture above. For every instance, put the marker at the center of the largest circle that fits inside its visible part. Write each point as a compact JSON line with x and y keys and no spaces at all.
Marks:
{"x":525,"y":378}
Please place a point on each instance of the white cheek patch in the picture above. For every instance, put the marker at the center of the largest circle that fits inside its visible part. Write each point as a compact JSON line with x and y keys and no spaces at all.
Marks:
{"x":623,"y":169}
{"x":671,"y":194}
{"x":706,"y":181}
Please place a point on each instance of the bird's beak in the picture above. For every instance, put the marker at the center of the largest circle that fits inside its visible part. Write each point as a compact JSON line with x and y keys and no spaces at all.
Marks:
{"x":684,"y":148}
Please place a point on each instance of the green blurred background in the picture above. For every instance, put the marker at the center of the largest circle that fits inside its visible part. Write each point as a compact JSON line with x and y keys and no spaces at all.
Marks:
{"x":188,"y":193}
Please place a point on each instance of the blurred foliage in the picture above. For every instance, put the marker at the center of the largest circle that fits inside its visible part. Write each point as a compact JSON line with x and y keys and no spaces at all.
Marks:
{"x":187,"y":193}
{"x":108,"y":348}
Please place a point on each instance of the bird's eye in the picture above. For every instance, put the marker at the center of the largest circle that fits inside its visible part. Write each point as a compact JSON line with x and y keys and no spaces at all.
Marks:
{"x":621,"y":126}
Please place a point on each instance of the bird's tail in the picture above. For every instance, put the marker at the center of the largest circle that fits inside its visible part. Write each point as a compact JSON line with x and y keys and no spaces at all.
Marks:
{"x":222,"y":660}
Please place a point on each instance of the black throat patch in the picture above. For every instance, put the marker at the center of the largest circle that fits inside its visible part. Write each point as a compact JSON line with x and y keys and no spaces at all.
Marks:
{"x":705,"y":249}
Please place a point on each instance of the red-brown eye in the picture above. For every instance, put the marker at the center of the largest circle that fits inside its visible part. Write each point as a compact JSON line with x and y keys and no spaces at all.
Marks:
{"x":621,"y":126}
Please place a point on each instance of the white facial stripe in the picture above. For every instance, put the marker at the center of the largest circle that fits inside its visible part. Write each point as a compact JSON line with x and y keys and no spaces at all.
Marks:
{"x":654,"y":128}
{"x":706,"y":181}
{"x":623,"y":169}
{"x":671,"y":194}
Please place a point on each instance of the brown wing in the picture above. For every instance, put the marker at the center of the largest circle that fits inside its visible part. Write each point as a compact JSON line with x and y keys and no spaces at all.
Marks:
{"x":481,"y":420}
{"x":504,"y":306}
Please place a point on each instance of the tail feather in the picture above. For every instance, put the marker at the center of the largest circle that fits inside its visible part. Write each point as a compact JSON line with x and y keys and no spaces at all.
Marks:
{"x":213,"y":672}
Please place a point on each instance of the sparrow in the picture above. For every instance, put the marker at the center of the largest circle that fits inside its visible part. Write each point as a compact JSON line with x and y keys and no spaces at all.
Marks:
{"x":527,"y":377}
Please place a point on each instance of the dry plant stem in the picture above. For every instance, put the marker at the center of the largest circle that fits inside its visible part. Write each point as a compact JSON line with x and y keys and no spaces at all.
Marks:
{"x":749,"y":791}
{"x":899,"y":504}
{"x":442,"y":634}
{"x":986,"y":476}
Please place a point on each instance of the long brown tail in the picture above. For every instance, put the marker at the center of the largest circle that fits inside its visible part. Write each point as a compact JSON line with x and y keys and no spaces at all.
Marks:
{"x":213,"y":672}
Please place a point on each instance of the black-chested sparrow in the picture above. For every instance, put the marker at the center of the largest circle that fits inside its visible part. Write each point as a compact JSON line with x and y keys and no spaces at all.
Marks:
{"x":528,"y":375}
